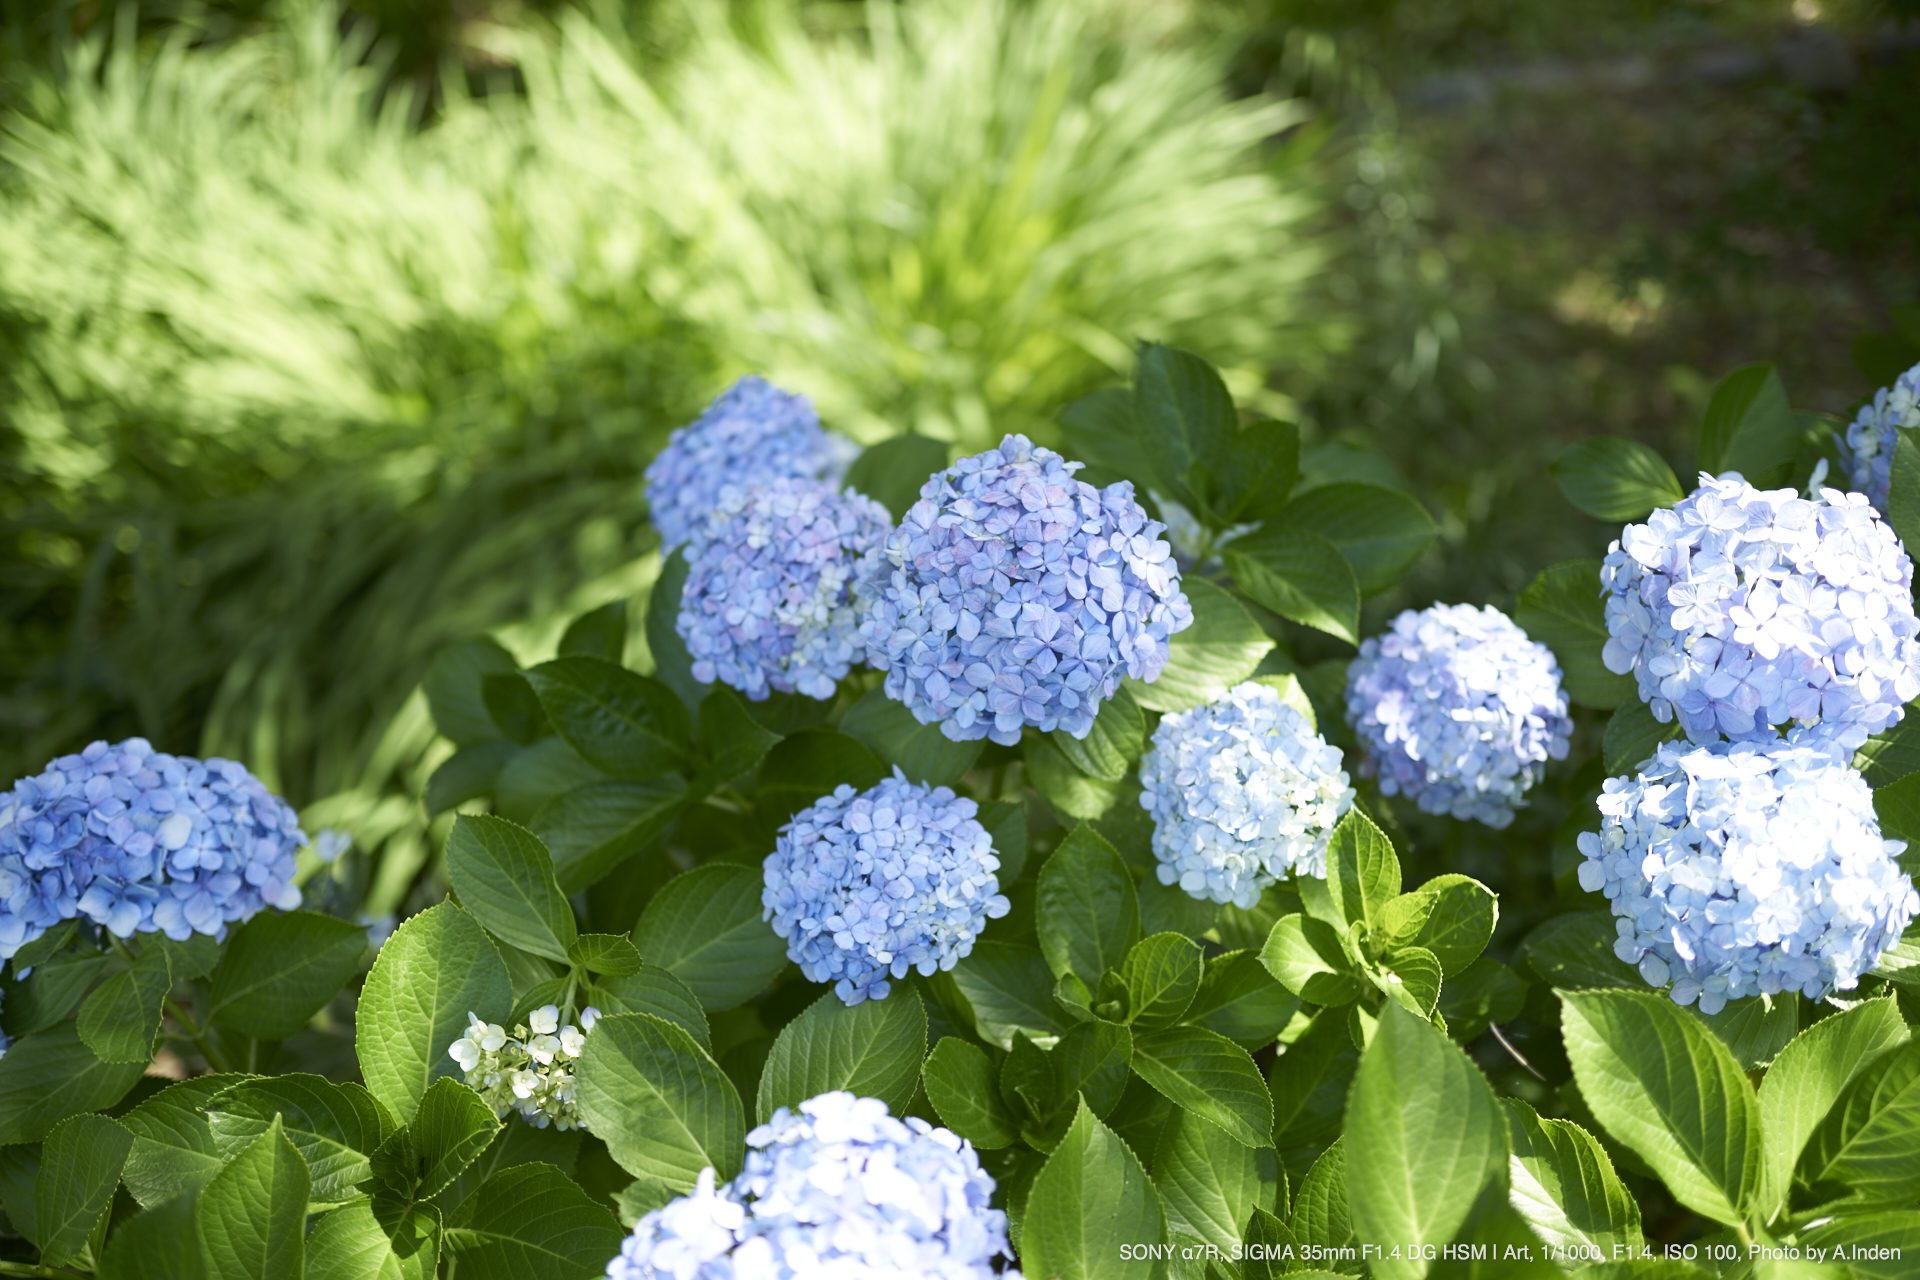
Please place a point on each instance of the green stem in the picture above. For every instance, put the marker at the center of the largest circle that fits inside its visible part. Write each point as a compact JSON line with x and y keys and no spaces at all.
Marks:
{"x":196,"y":1035}
{"x":32,"y":1269}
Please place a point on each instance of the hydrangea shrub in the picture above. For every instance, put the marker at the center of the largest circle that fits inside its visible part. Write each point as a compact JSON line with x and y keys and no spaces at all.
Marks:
{"x":993,"y":885}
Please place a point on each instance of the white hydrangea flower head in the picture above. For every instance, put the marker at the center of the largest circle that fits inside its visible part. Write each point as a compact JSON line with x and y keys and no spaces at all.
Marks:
{"x":529,"y":1070}
{"x":769,"y":602}
{"x":752,"y":434}
{"x":1457,"y":710}
{"x":1242,"y":791}
{"x":1868,"y":448}
{"x":1747,"y":867}
{"x":1739,"y":610}
{"x":841,"y":1191}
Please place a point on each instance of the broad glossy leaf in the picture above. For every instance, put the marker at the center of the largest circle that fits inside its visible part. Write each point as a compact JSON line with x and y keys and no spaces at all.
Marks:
{"x":959,"y":1080}
{"x":808,"y":766}
{"x":597,"y":633}
{"x":173,"y":1151}
{"x":1453,"y":916}
{"x":334,"y":1127}
{"x":1305,"y":956}
{"x":50,"y":992}
{"x":619,"y":721}
{"x":281,"y":969}
{"x":705,"y":928}
{"x":590,"y":830}
{"x":612,"y":954}
{"x":1320,"y":1218}
{"x":1575,"y":951}
{"x":530,"y":1221}
{"x":1486,"y":993}
{"x":1299,"y":575}
{"x":1748,"y":425}
{"x":1903,"y":488}
{"x":162,"y":1243}
{"x":732,"y":740}
{"x":1410,"y":976}
{"x":872,"y":1049}
{"x":504,"y":876}
{"x":436,"y":969}
{"x":1892,"y":754}
{"x":1092,"y":1060}
{"x":252,"y":1215}
{"x":1102,"y":430}
{"x":1162,"y":973}
{"x":50,"y":1075}
{"x":471,"y":772}
{"x":1632,"y":736}
{"x":452,"y":686}
{"x":1185,"y":419}
{"x":1866,"y":1151}
{"x":1562,"y":609}
{"x":1803,"y":1083}
{"x":1210,"y":1076}
{"x":1240,"y":1000}
{"x":1380,"y":532}
{"x":1668,"y":1089}
{"x":1208,"y":1183}
{"x":1310,"y":1081}
{"x":536,"y":776}
{"x":652,"y":990}
{"x":1256,"y":472}
{"x":1613,"y":478}
{"x":1091,"y":1198}
{"x":513,"y":707}
{"x":1067,"y":791}
{"x":1424,"y":1135}
{"x":921,"y":751}
{"x":1363,"y":872}
{"x":1222,"y":647}
{"x":1756,"y":1027}
{"x":451,"y":1129}
{"x":79,"y":1170}
{"x":121,"y":1018}
{"x":1009,"y":987}
{"x":1561,"y":1182}
{"x":1879,"y":1246}
{"x":1089,"y":915}
{"x":663,"y":1107}
{"x":351,"y":1241}
{"x":893,"y":471}
{"x":1116,"y":740}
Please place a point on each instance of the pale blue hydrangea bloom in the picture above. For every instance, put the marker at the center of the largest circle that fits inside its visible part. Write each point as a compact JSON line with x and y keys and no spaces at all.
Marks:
{"x":1242,"y":791}
{"x":1868,"y":448}
{"x":1458,"y":711}
{"x":769,"y":597}
{"x":864,"y":886}
{"x":842,"y":1191}
{"x":138,"y":841}
{"x":752,"y":434}
{"x":1737,"y":868}
{"x":1740,"y":609}
{"x":1013,"y":594}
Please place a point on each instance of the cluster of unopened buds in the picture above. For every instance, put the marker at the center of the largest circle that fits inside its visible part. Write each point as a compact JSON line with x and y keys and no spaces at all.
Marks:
{"x":529,"y":1070}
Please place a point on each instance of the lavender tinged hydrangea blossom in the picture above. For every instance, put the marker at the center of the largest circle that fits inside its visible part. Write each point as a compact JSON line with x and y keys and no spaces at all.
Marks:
{"x":138,"y":841}
{"x":752,"y":434}
{"x":1868,"y":448}
{"x":842,"y":1190}
{"x":895,"y":878}
{"x":1739,"y":610}
{"x":1458,"y":710}
{"x":1242,"y":791}
{"x":1015,"y":595}
{"x":1737,"y":868}
{"x":769,"y":597}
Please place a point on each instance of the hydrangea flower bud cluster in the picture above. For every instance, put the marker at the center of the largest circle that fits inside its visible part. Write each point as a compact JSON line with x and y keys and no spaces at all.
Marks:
{"x":1014,"y":595}
{"x":1741,"y":609}
{"x":754,"y":433}
{"x":1868,"y":448}
{"x":529,"y":1071}
{"x":1242,"y":791}
{"x":769,"y":597}
{"x":864,"y":886}
{"x":841,"y":1190}
{"x":139,"y":841}
{"x":1458,"y":710}
{"x":1737,"y":868}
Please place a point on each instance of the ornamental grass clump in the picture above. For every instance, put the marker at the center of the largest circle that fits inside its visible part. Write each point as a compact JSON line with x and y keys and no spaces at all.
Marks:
{"x":1739,"y":610}
{"x":871,"y":885}
{"x":138,"y":841}
{"x":1867,"y":449}
{"x":840,"y":1189}
{"x":1013,"y":594}
{"x":769,"y":601}
{"x":1242,"y":792}
{"x":1458,"y":711}
{"x":529,"y":1070}
{"x":1744,"y":868}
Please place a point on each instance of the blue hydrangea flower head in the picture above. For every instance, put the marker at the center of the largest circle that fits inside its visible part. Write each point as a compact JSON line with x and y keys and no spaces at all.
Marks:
{"x":1242,"y":791}
{"x":841,"y":1190}
{"x":1868,"y":448}
{"x":869,"y":885}
{"x":1747,"y":867}
{"x":1458,"y":710}
{"x":138,"y":841}
{"x":1013,"y":595}
{"x":753,"y":433}
{"x":769,"y":598}
{"x":1739,"y":610}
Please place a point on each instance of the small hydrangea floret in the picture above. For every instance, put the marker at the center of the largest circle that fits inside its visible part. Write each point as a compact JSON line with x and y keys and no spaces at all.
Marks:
{"x":138,"y":841}
{"x":865,"y":886}
{"x":1242,"y":792}
{"x":1458,"y":710}
{"x":1744,"y":868}
{"x":528,"y":1070}
{"x":1013,"y":594}
{"x":1868,"y":447}
{"x":842,"y":1189}
{"x":1739,"y":610}
{"x":754,"y":433}
{"x":768,"y":604}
